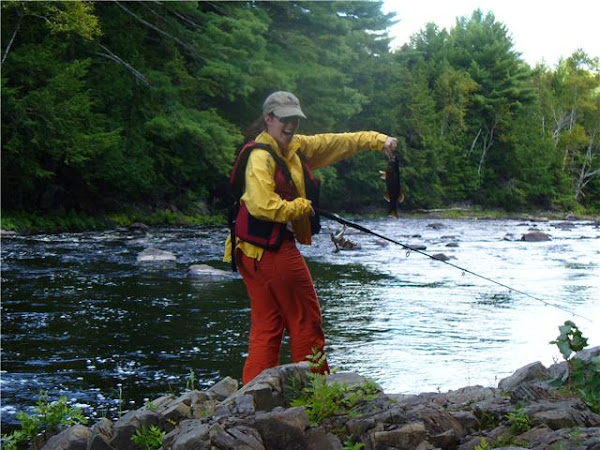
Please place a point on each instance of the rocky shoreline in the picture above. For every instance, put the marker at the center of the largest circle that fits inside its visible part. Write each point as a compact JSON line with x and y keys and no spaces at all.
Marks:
{"x":524,"y":411}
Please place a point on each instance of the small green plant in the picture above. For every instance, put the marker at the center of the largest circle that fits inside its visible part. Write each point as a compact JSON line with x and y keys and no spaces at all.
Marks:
{"x":48,"y":418}
{"x":582,"y":377}
{"x":570,"y":340}
{"x":483,"y":445}
{"x":518,"y":421}
{"x":151,"y":406}
{"x":148,"y":438}
{"x":323,"y":400}
{"x":190,"y":383}
{"x":316,"y":360}
{"x":349,"y":444}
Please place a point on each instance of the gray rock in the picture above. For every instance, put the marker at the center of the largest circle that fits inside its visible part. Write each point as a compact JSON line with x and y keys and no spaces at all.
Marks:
{"x":204,"y":272}
{"x":127,"y":426}
{"x":279,"y":435}
{"x":101,"y":435}
{"x":407,"y":437}
{"x":152,"y":254}
{"x":240,"y":437}
{"x":535,"y":236}
{"x":73,"y":438}
{"x":190,"y":435}
{"x":533,"y":371}
{"x":223,"y":389}
{"x":319,"y":439}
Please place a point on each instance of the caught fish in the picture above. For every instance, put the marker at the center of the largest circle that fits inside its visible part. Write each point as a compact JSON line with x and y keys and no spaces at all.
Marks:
{"x":392,"y":181}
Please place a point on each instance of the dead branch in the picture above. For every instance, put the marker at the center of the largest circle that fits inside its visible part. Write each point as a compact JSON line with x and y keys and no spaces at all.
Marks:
{"x":136,"y":73}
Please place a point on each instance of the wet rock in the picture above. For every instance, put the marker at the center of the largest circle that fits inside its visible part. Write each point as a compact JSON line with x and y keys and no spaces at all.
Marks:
{"x":138,"y":226}
{"x":417,"y":247}
{"x":442,"y":257}
{"x":452,"y":244}
{"x":155,"y":255}
{"x":7,"y":233}
{"x":436,"y":226}
{"x":204,"y":272}
{"x":564,"y":225}
{"x":535,"y":236}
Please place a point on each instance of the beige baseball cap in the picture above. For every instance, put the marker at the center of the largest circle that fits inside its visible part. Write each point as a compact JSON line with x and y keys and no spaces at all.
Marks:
{"x":283,"y":104}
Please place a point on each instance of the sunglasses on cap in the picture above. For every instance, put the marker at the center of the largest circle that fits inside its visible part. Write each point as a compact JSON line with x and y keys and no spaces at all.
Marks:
{"x":286,"y":120}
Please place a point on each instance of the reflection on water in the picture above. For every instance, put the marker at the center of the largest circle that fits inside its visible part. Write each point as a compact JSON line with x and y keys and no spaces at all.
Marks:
{"x":81,"y":318}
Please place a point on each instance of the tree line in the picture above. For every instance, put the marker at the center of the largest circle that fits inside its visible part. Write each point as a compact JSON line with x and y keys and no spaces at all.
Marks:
{"x":109,"y":105}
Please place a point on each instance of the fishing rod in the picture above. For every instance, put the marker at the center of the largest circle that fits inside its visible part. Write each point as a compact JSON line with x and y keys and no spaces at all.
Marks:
{"x":356,"y":226}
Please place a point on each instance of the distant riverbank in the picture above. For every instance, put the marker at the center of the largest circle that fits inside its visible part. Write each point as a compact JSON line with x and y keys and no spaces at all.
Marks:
{"x":26,"y":222}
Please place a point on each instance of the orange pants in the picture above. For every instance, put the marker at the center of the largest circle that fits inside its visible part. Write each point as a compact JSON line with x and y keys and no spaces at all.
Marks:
{"x":282,"y":297}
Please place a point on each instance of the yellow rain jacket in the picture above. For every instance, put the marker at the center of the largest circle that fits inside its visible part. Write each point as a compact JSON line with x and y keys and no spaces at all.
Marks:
{"x":319,"y":151}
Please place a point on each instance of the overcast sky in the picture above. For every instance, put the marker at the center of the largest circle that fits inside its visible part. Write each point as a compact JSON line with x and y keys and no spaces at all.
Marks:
{"x":540,"y":30}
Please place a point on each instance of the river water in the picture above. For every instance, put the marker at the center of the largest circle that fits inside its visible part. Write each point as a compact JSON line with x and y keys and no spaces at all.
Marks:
{"x":81,"y":318}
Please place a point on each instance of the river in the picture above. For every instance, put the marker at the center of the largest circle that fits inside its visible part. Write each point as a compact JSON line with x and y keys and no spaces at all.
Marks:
{"x":82,"y":318}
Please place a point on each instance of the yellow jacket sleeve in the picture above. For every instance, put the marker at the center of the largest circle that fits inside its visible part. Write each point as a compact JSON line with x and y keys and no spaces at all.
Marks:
{"x":322,"y":150}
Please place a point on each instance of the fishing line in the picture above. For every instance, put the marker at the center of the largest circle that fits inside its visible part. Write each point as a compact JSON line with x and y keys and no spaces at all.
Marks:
{"x":409,"y":249}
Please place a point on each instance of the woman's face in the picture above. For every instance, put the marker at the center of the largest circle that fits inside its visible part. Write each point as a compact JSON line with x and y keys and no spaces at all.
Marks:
{"x":282,"y":129}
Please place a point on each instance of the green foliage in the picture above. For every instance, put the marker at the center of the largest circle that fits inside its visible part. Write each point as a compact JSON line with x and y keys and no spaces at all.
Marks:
{"x":47,"y":419}
{"x":483,"y":445}
{"x":323,"y":400}
{"x":518,"y":421}
{"x":349,"y":444}
{"x":583,"y":377}
{"x":148,"y":438}
{"x":570,"y":340}
{"x":190,"y":381}
{"x":96,"y":120}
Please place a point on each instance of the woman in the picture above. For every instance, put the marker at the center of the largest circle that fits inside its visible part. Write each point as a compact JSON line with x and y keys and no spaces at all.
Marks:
{"x":275,"y":213}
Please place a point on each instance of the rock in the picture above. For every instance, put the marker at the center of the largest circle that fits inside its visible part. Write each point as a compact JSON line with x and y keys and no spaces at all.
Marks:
{"x":442,"y":257}
{"x":258,"y":417}
{"x":101,"y":435}
{"x":280,"y":434}
{"x":152,"y":254}
{"x":7,"y":233}
{"x":138,"y":226}
{"x":529,"y":372}
{"x":436,"y":226}
{"x":204,"y":272}
{"x":127,"y":426}
{"x":190,"y":435}
{"x":407,"y":437}
{"x":73,"y":438}
{"x":535,"y":236}
{"x":223,"y":389}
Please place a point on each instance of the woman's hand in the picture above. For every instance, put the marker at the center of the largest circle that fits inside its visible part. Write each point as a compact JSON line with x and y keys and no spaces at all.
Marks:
{"x":390,"y":146}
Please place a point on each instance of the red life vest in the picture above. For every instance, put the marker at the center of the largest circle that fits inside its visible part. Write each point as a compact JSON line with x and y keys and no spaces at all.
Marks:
{"x":263,"y":233}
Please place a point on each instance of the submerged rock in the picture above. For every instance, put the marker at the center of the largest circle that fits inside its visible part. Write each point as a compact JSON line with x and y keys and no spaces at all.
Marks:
{"x":204,"y":272}
{"x":152,"y":254}
{"x":535,"y":236}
